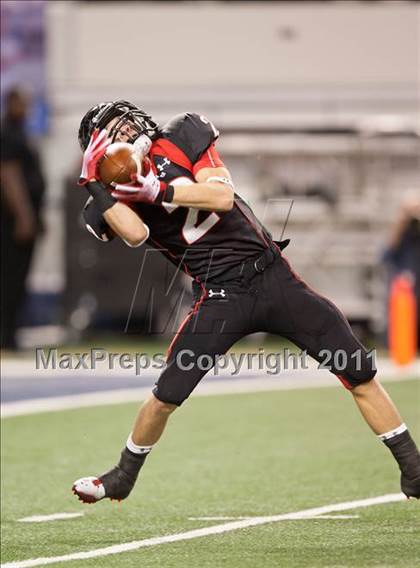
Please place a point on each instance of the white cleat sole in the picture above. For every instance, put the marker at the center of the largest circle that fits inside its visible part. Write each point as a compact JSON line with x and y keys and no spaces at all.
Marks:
{"x":89,"y":489}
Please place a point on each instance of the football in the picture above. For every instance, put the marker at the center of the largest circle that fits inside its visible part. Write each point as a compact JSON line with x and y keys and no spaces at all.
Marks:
{"x":118,"y":164}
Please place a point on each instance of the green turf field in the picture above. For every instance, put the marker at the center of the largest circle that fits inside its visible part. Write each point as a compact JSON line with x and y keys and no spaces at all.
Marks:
{"x":234,"y":455}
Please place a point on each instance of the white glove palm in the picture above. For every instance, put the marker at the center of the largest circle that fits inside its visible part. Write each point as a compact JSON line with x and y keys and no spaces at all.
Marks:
{"x":145,"y":188}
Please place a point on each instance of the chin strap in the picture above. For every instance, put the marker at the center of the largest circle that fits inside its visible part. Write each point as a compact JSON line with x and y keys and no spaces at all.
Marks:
{"x":142,"y":146}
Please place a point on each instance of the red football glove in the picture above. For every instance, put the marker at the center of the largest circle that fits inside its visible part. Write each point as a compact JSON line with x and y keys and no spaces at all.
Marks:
{"x":97,"y":146}
{"x":145,"y":188}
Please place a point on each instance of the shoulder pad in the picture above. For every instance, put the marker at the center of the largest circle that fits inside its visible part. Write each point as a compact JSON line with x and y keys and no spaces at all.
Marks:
{"x":192,"y":133}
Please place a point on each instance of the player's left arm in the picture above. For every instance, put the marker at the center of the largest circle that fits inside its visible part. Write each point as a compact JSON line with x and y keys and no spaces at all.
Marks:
{"x":213,"y":190}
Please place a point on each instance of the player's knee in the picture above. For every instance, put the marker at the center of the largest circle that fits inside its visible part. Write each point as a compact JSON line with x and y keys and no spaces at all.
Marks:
{"x":363,"y":386}
{"x":162,"y":407}
{"x":366,"y":371}
{"x":353,"y":379}
{"x":363,"y":380}
{"x":169,"y":396}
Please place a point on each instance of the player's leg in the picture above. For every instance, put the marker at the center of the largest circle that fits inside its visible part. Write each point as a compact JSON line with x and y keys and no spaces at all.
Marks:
{"x":376,"y":406}
{"x":374,"y":403}
{"x":207,"y":332}
{"x":383,"y":417}
{"x":151,"y":421}
{"x":316,"y":325}
{"x":118,"y":482}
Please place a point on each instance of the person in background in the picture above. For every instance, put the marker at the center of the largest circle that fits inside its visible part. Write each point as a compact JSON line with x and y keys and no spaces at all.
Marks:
{"x":22,"y":187}
{"x":403,"y":252}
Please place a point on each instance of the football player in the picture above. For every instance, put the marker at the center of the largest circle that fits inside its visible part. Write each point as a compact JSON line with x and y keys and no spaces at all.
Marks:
{"x":185,"y":205}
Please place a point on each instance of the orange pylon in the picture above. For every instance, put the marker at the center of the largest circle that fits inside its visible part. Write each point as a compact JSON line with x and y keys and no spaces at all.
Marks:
{"x":402,"y":327}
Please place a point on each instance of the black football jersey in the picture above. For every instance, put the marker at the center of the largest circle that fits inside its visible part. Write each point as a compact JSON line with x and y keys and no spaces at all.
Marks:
{"x":204,"y":244}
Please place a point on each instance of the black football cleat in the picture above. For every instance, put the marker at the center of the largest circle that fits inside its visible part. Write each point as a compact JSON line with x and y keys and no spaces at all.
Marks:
{"x":115,"y":484}
{"x":410,"y":486}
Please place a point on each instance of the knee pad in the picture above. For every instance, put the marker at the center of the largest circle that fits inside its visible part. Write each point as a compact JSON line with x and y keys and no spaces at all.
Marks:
{"x":351,"y":380}
{"x":170,"y":395}
{"x":355,"y":365}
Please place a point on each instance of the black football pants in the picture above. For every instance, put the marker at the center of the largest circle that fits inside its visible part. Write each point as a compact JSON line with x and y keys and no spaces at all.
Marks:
{"x":275,"y":301}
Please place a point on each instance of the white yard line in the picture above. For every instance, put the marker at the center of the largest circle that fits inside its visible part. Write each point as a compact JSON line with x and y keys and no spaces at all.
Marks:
{"x":206,"y":531}
{"x":332,"y":517}
{"x":303,"y":517}
{"x":53,"y":517}
{"x":65,"y":516}
{"x":207,"y":388}
{"x":217,"y":518}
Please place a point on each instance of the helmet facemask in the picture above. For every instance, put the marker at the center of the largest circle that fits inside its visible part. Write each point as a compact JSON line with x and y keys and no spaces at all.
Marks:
{"x":124,"y":124}
{"x":128,"y":115}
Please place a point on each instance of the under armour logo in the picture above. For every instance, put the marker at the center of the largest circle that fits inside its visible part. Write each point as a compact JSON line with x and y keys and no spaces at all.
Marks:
{"x":161,"y":167}
{"x":221,"y":293}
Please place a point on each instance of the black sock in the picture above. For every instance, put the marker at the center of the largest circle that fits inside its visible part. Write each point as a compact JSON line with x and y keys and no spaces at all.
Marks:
{"x":405,"y":451}
{"x":131,"y":463}
{"x":120,"y":480}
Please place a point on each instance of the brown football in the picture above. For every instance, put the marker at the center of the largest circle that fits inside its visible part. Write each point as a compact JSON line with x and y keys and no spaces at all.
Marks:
{"x":118,"y":164}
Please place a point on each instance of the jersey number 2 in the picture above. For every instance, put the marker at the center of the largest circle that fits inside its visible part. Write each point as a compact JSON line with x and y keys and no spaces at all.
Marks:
{"x":191,"y":231}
